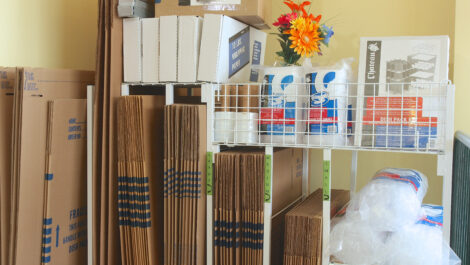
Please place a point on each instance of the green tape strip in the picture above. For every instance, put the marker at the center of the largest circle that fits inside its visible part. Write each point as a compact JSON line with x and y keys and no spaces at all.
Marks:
{"x":209,"y":172}
{"x":267,"y":178}
{"x":326,"y":180}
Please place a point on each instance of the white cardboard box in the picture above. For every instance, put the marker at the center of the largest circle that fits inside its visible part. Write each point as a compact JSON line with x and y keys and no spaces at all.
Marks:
{"x":150,"y":50}
{"x":132,"y":51}
{"x":229,"y":48}
{"x":169,"y":49}
{"x":189,"y":42}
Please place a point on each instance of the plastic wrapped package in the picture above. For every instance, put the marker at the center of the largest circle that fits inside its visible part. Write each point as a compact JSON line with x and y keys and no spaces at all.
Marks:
{"x":353,"y":242}
{"x":391,"y":200}
{"x":421,"y":243}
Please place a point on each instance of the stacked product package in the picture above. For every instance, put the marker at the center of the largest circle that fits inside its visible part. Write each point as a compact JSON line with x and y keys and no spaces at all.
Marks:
{"x":184,"y":184}
{"x":386,"y":223}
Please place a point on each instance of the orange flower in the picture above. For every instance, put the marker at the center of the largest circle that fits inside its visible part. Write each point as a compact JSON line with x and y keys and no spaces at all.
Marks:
{"x":305,"y":36}
{"x":295,"y":7}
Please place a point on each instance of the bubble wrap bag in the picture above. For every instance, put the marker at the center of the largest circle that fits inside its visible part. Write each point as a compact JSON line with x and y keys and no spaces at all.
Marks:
{"x":391,"y":200}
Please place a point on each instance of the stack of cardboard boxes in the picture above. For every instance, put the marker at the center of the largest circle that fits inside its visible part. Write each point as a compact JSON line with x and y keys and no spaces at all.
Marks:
{"x":43,"y":181}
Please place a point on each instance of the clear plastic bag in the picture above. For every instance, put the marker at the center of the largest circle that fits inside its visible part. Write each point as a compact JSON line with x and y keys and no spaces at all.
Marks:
{"x":391,"y":200}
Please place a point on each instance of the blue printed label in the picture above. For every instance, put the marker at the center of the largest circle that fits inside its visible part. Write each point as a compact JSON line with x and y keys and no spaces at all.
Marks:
{"x":407,"y":176}
{"x":239,"y":51}
{"x":434,"y":215}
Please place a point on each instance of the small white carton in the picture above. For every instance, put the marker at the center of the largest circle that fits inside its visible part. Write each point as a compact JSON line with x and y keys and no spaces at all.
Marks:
{"x":169,"y":49}
{"x":189,"y":42}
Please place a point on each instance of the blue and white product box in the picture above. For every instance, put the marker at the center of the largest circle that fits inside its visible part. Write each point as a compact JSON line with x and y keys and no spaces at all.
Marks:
{"x":327,"y":120}
{"x":229,"y":50}
{"x":284,"y":103}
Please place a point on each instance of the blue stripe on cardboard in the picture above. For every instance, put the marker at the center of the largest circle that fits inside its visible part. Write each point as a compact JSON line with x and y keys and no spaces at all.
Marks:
{"x":47,"y":221}
{"x":136,"y":180}
{"x":135,"y":223}
{"x":47,"y":231}
{"x":134,"y":215}
{"x":46,"y":259}
{"x":46,"y":250}
{"x":128,"y":197}
{"x":47,"y":240}
{"x":125,"y":205}
{"x":123,"y":187}
{"x":48,"y":176}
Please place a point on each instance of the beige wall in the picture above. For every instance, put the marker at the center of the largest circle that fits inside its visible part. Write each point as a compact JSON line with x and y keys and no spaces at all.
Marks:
{"x":52,"y":33}
{"x":353,"y":19}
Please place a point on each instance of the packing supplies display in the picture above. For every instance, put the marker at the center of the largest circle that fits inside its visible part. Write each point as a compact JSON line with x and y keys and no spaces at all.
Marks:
{"x":135,"y":8}
{"x":150,"y":50}
{"x":140,"y":185}
{"x":37,"y":88}
{"x":239,"y":198}
{"x":64,"y":237}
{"x":327,"y":120}
{"x":256,"y":13}
{"x":303,"y":228}
{"x":8,"y":86}
{"x":168,"y":49}
{"x":284,"y":103}
{"x":229,"y":50}
{"x":399,"y":96}
{"x":132,"y":49}
{"x":189,"y":42}
{"x":185,"y":184}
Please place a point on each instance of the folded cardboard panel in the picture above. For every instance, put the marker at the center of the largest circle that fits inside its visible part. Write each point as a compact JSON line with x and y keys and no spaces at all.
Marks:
{"x":150,"y":50}
{"x":37,"y":87}
{"x":229,"y":49}
{"x":189,"y":42}
{"x":64,"y":238}
{"x":168,"y":48}
{"x":184,"y":182}
{"x":256,"y":13}
{"x":239,"y":197}
{"x":132,"y":49}
{"x":303,"y":228}
{"x":8,"y":77}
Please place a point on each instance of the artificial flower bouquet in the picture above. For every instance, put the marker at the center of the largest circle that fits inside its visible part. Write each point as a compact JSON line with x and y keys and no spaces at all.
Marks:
{"x":301,"y":34}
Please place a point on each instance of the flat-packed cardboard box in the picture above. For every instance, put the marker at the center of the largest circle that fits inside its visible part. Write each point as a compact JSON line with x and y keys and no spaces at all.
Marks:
{"x":256,"y":13}
{"x":189,"y":42}
{"x":37,"y":87}
{"x":229,"y":50}
{"x":239,"y":200}
{"x":132,"y":49}
{"x":8,"y":82}
{"x":64,"y":235}
{"x":303,"y":228}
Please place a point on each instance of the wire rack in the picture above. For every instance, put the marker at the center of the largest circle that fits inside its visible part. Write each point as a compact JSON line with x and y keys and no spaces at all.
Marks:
{"x":403,"y":117}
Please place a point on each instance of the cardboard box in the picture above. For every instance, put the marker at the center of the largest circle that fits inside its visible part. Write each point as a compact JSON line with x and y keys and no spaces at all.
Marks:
{"x":185,"y":184}
{"x":150,"y":50}
{"x":64,"y":238}
{"x":229,"y":49}
{"x":37,"y":87}
{"x":303,"y":228}
{"x":189,"y":42}
{"x":256,"y":13}
{"x":132,"y":49}
{"x":239,"y":199}
{"x":8,"y":83}
{"x":168,"y":48}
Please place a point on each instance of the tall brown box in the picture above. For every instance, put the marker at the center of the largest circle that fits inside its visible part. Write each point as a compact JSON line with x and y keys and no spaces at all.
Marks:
{"x":303,"y":228}
{"x":256,"y":13}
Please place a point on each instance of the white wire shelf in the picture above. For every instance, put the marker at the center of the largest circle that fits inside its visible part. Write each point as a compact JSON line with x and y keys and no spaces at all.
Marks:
{"x":397,"y":117}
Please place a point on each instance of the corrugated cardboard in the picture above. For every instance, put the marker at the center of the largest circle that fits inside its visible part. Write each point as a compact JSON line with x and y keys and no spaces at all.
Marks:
{"x":239,"y":197}
{"x":132,"y":49}
{"x":189,"y":42}
{"x":8,"y":77}
{"x":303,"y":228}
{"x":65,"y":210}
{"x":256,"y":13}
{"x":150,"y":50}
{"x":168,"y":48}
{"x":185,"y":184}
{"x":38,"y":86}
{"x":229,"y":48}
